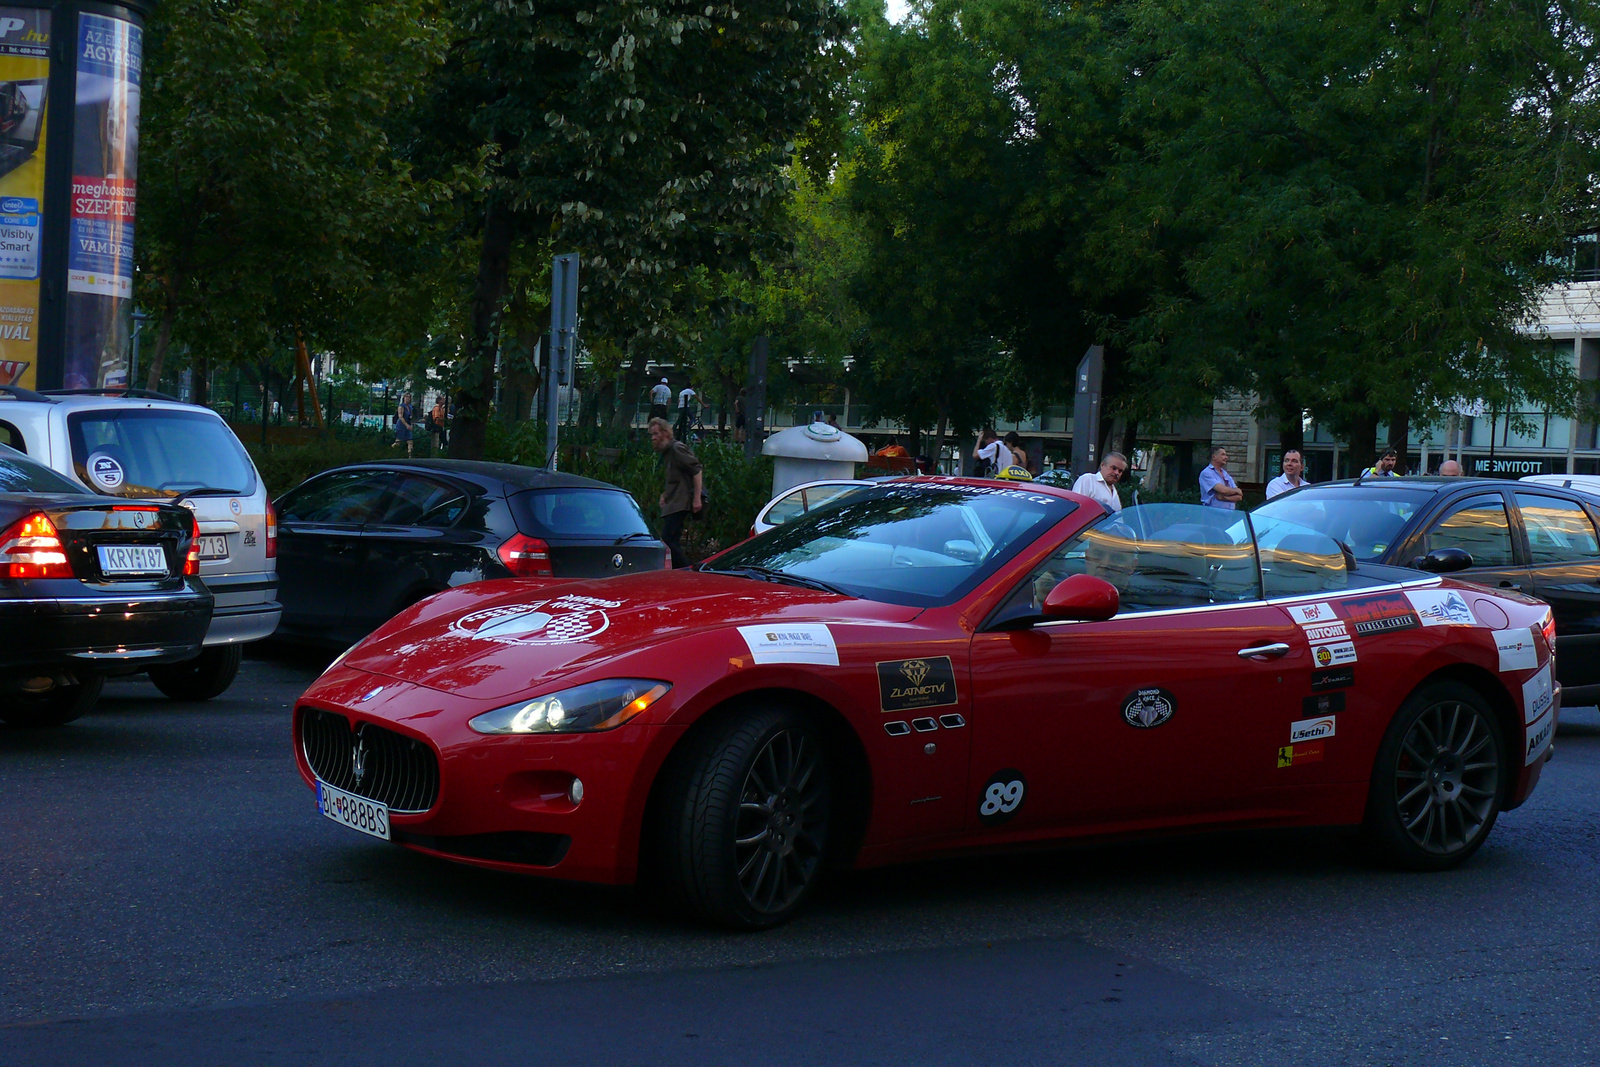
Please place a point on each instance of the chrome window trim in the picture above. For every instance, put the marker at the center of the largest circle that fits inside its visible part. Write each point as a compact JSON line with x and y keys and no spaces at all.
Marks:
{"x":1298,"y":598}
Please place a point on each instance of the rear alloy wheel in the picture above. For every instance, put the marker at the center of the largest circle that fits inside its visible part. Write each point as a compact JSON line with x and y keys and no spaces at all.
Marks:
{"x":1435,"y":790}
{"x":744,"y":821}
{"x":207,"y":675}
{"x":57,"y":707}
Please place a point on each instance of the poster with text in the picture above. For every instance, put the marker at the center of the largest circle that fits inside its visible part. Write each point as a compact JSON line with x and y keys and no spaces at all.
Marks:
{"x":24,"y":81}
{"x":105,"y":154}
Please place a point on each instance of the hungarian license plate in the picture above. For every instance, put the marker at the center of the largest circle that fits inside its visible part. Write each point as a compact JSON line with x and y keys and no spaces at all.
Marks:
{"x":358,"y":813}
{"x":214,"y":546}
{"x":132,"y":559}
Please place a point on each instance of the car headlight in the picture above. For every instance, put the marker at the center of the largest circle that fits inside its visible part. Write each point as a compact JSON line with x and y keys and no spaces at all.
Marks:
{"x":582,"y":709}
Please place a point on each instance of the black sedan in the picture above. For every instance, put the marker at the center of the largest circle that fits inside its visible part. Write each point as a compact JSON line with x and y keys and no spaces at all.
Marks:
{"x":1540,"y":539}
{"x":358,"y":544}
{"x":89,"y":586}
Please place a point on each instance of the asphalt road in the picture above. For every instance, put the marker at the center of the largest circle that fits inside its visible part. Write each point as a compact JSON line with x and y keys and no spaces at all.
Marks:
{"x":168,"y":894}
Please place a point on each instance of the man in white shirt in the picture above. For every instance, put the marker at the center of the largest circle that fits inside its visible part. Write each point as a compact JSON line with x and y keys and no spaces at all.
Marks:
{"x":992,"y":454}
{"x":1293,"y":464}
{"x":660,"y":397}
{"x":1101,"y":485}
{"x":685,"y":411}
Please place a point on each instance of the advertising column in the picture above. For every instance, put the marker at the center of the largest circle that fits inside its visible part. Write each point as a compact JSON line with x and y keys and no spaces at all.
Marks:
{"x":105,"y":153}
{"x":24,"y":79}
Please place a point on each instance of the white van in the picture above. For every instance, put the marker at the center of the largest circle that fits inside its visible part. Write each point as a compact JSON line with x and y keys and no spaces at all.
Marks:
{"x":143,"y":448}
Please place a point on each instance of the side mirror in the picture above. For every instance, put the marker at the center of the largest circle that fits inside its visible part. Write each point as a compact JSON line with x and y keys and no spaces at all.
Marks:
{"x":965,"y":551}
{"x":1444,"y":561}
{"x":1083,"y":597}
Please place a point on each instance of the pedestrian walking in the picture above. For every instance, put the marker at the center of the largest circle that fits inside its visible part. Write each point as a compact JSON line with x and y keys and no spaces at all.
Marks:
{"x":1217,"y":487}
{"x":436,"y":423}
{"x":686,"y":408}
{"x":660,"y":397}
{"x":991,"y":453}
{"x":738,"y":418}
{"x":682,"y":492}
{"x":403,"y":424}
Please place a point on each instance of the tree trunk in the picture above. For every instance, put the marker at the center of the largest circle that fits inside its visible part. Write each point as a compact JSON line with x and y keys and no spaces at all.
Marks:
{"x":1399,"y":436}
{"x":1363,"y":443}
{"x":1291,"y":422}
{"x":202,"y":383}
{"x":938,"y":445}
{"x":163,"y":338}
{"x":475,"y":387}
{"x":1130,"y":438}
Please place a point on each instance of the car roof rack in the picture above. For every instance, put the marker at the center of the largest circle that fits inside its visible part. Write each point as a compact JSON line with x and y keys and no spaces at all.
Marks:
{"x":19,"y":393}
{"x":115,"y":391}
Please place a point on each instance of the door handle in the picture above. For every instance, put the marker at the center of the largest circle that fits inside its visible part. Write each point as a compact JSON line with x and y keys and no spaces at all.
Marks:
{"x":1274,"y":650}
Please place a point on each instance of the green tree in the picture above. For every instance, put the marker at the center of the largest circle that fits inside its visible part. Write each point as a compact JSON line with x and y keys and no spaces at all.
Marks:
{"x":647,"y":136}
{"x":271,"y":199}
{"x":1348,"y":207}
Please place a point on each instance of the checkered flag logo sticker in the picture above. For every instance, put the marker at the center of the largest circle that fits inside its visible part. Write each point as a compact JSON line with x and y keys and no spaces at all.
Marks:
{"x":561,"y":621}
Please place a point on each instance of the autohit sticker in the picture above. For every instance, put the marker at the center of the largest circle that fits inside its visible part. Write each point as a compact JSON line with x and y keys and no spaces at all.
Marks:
{"x":1317,"y":633}
{"x":1382,"y":613}
{"x":907,"y":684}
{"x":1536,"y":695}
{"x":1517,"y":652}
{"x":1147,"y":708}
{"x":105,"y":471}
{"x":1294,"y":755}
{"x":1441,"y":607}
{"x":791,"y":643}
{"x":1312,"y":729}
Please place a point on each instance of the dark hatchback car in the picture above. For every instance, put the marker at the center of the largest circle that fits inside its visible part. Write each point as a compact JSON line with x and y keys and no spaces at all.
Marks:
{"x":358,"y":544}
{"x":1539,"y":539}
{"x":88,"y":587}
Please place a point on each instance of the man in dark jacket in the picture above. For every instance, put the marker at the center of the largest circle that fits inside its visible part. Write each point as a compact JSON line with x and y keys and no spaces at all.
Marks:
{"x":682,"y":493}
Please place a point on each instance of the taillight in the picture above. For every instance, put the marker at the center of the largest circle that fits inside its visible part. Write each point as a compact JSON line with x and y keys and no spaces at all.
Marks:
{"x":526,"y":557}
{"x":31,"y":548}
{"x":1548,"y":628}
{"x":272,"y":531}
{"x":191,"y":562}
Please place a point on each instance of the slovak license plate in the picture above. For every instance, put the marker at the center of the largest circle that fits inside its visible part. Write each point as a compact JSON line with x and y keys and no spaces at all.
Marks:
{"x":358,"y":813}
{"x":132,"y":559}
{"x":214,"y":546}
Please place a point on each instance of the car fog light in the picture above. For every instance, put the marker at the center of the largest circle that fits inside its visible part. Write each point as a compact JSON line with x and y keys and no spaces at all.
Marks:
{"x":575,"y":792}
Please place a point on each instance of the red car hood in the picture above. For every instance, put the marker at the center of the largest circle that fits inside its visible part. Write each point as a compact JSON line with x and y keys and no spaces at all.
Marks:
{"x":501,"y":638}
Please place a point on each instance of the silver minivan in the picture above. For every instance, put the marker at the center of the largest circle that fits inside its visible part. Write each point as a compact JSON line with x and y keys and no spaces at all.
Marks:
{"x":143,"y":448}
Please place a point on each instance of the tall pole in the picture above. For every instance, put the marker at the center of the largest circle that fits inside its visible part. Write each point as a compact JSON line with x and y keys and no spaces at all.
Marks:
{"x":563,"y":342}
{"x":755,"y":399}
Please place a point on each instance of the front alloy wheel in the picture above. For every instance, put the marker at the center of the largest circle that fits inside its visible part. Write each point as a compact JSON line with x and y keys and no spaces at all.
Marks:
{"x":1435,"y":791}
{"x":740,"y":828}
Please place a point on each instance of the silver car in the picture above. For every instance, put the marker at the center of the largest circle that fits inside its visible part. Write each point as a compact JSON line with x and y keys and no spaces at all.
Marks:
{"x":150,"y":449}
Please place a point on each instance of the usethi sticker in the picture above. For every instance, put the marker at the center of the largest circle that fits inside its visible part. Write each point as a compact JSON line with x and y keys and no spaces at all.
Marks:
{"x":105,"y":471}
{"x":791,"y":644}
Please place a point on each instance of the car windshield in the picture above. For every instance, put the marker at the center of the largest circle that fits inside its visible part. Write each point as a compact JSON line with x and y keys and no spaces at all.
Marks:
{"x":1366,"y":520}
{"x":900,"y":542}
{"x":18,"y":474}
{"x":158,"y":452}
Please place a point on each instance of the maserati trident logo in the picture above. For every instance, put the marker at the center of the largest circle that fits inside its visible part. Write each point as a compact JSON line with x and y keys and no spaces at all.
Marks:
{"x":915,"y":670}
{"x":358,"y":759}
{"x":616,"y":561}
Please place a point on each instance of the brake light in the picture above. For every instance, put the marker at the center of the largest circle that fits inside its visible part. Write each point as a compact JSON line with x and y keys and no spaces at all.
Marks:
{"x":526,"y":557}
{"x":31,"y":548}
{"x":272,"y":531}
{"x":191,"y":562}
{"x":1548,"y":628}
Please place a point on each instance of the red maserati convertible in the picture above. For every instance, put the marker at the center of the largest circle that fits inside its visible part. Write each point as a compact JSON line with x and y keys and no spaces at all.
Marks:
{"x":934,"y":666}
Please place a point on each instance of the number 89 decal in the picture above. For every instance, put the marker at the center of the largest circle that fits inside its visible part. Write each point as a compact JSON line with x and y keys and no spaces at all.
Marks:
{"x":1002,"y":796}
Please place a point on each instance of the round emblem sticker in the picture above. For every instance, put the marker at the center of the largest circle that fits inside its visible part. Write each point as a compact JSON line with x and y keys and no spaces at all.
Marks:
{"x":1148,"y":707}
{"x":104,"y":471}
{"x":234,"y":506}
{"x":1324,"y":656}
{"x":552,"y":622}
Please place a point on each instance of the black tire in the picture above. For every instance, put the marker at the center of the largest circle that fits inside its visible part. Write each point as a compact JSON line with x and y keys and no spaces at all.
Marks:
{"x":739,"y":831}
{"x":207,"y":675}
{"x":56,"y":708}
{"x":1436,"y":785}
